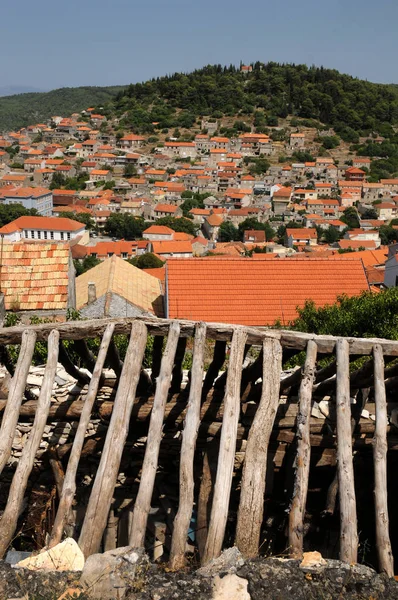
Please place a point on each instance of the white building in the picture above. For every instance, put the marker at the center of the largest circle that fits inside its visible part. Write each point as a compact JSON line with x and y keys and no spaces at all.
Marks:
{"x":58,"y":229}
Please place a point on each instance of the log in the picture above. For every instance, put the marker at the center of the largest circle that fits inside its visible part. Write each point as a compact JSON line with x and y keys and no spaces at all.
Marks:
{"x":383,"y":544}
{"x":251,"y":505}
{"x":206,"y":488}
{"x":176,"y":379}
{"x":113,"y":358}
{"x":157,"y":351}
{"x":296,"y":340}
{"x":16,"y":493}
{"x":345,"y":469}
{"x":69,"y":488}
{"x":192,"y":419}
{"x":105,"y":480}
{"x":303,"y":456}
{"x":149,"y":467}
{"x":70,"y":367}
{"x":220,"y":348}
{"x":17,"y":388}
{"x":225,"y":464}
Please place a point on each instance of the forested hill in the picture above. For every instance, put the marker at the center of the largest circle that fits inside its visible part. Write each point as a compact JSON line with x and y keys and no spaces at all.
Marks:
{"x":344,"y":102}
{"x":27,"y":109}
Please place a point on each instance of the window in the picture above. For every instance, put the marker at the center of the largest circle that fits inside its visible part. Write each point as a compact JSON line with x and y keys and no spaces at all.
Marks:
{"x":68,"y":235}
{"x":124,"y":255}
{"x":110,"y":253}
{"x":39,"y":235}
{"x":62,"y":235}
{"x":45,"y":235}
{"x":51,"y":235}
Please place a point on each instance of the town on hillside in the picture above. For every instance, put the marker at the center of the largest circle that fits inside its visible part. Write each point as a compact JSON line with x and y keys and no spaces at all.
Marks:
{"x":199,"y":338}
{"x":293,"y":200}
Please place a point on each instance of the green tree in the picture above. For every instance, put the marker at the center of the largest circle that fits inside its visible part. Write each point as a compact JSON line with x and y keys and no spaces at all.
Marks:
{"x":350,"y":218}
{"x":85,"y":218}
{"x":228,"y":232}
{"x":370,"y":213}
{"x":86,"y":264}
{"x":253,"y":223}
{"x":183,"y":225}
{"x":146,"y":261}
{"x":129,"y":171}
{"x":10,"y":212}
{"x":331,"y":235}
{"x":124,"y":226}
{"x":367,"y":315}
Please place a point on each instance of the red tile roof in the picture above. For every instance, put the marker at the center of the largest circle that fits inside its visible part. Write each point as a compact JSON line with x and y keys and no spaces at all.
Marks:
{"x":43,"y":223}
{"x":159,"y":230}
{"x":171,"y":247}
{"x":256,"y":292}
{"x":35,"y":276}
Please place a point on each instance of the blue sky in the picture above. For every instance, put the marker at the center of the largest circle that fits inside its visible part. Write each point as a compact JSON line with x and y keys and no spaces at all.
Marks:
{"x":105,"y":42}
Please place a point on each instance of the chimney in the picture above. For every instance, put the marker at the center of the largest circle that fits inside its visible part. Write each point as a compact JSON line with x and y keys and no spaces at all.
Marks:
{"x":92,"y":292}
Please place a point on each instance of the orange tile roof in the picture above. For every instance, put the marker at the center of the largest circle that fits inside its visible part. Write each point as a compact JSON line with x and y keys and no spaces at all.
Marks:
{"x":158,"y":272}
{"x":42,"y":223}
{"x":301,"y":233}
{"x":256,"y":292}
{"x":159,"y":230}
{"x":171,"y":247}
{"x":355,"y":244}
{"x":35,"y":276}
{"x":165,"y":208}
{"x":27,"y":192}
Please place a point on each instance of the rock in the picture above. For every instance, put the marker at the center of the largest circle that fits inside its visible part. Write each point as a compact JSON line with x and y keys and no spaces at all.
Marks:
{"x":311,"y":560}
{"x":65,"y":556}
{"x":115,"y":573}
{"x":72,"y":592}
{"x":230,"y":587}
{"x":229,"y":560}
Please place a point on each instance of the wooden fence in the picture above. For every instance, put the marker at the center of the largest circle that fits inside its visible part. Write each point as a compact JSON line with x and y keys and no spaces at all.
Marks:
{"x":275,"y":347}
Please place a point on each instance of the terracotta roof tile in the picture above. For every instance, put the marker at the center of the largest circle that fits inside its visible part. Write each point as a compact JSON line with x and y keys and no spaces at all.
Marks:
{"x":33,"y":276}
{"x":257,"y":292}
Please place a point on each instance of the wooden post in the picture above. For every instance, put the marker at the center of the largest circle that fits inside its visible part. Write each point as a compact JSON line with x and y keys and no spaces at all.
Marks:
{"x":192,"y":420}
{"x":69,"y":487}
{"x":303,"y":456}
{"x":105,"y":480}
{"x":250,"y":515}
{"x":383,"y":544}
{"x":225,"y":465}
{"x":15,"y":396}
{"x":345,"y":468}
{"x":149,"y":467}
{"x":9,"y":519}
{"x":176,"y":379}
{"x":220,"y":348}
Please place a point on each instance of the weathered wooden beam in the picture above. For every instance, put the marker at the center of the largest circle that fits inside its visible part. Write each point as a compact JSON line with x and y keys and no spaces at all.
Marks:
{"x":70,"y":367}
{"x":105,"y":480}
{"x":383,"y":544}
{"x":251,"y":505}
{"x":345,"y":469}
{"x":222,"y":488}
{"x":17,"y":388}
{"x":9,"y":519}
{"x":192,"y":419}
{"x":303,"y":456}
{"x":143,"y":500}
{"x":69,"y":487}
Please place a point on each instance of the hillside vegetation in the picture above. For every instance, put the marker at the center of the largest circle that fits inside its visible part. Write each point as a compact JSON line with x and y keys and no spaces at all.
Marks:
{"x":351,"y":106}
{"x":27,"y":109}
